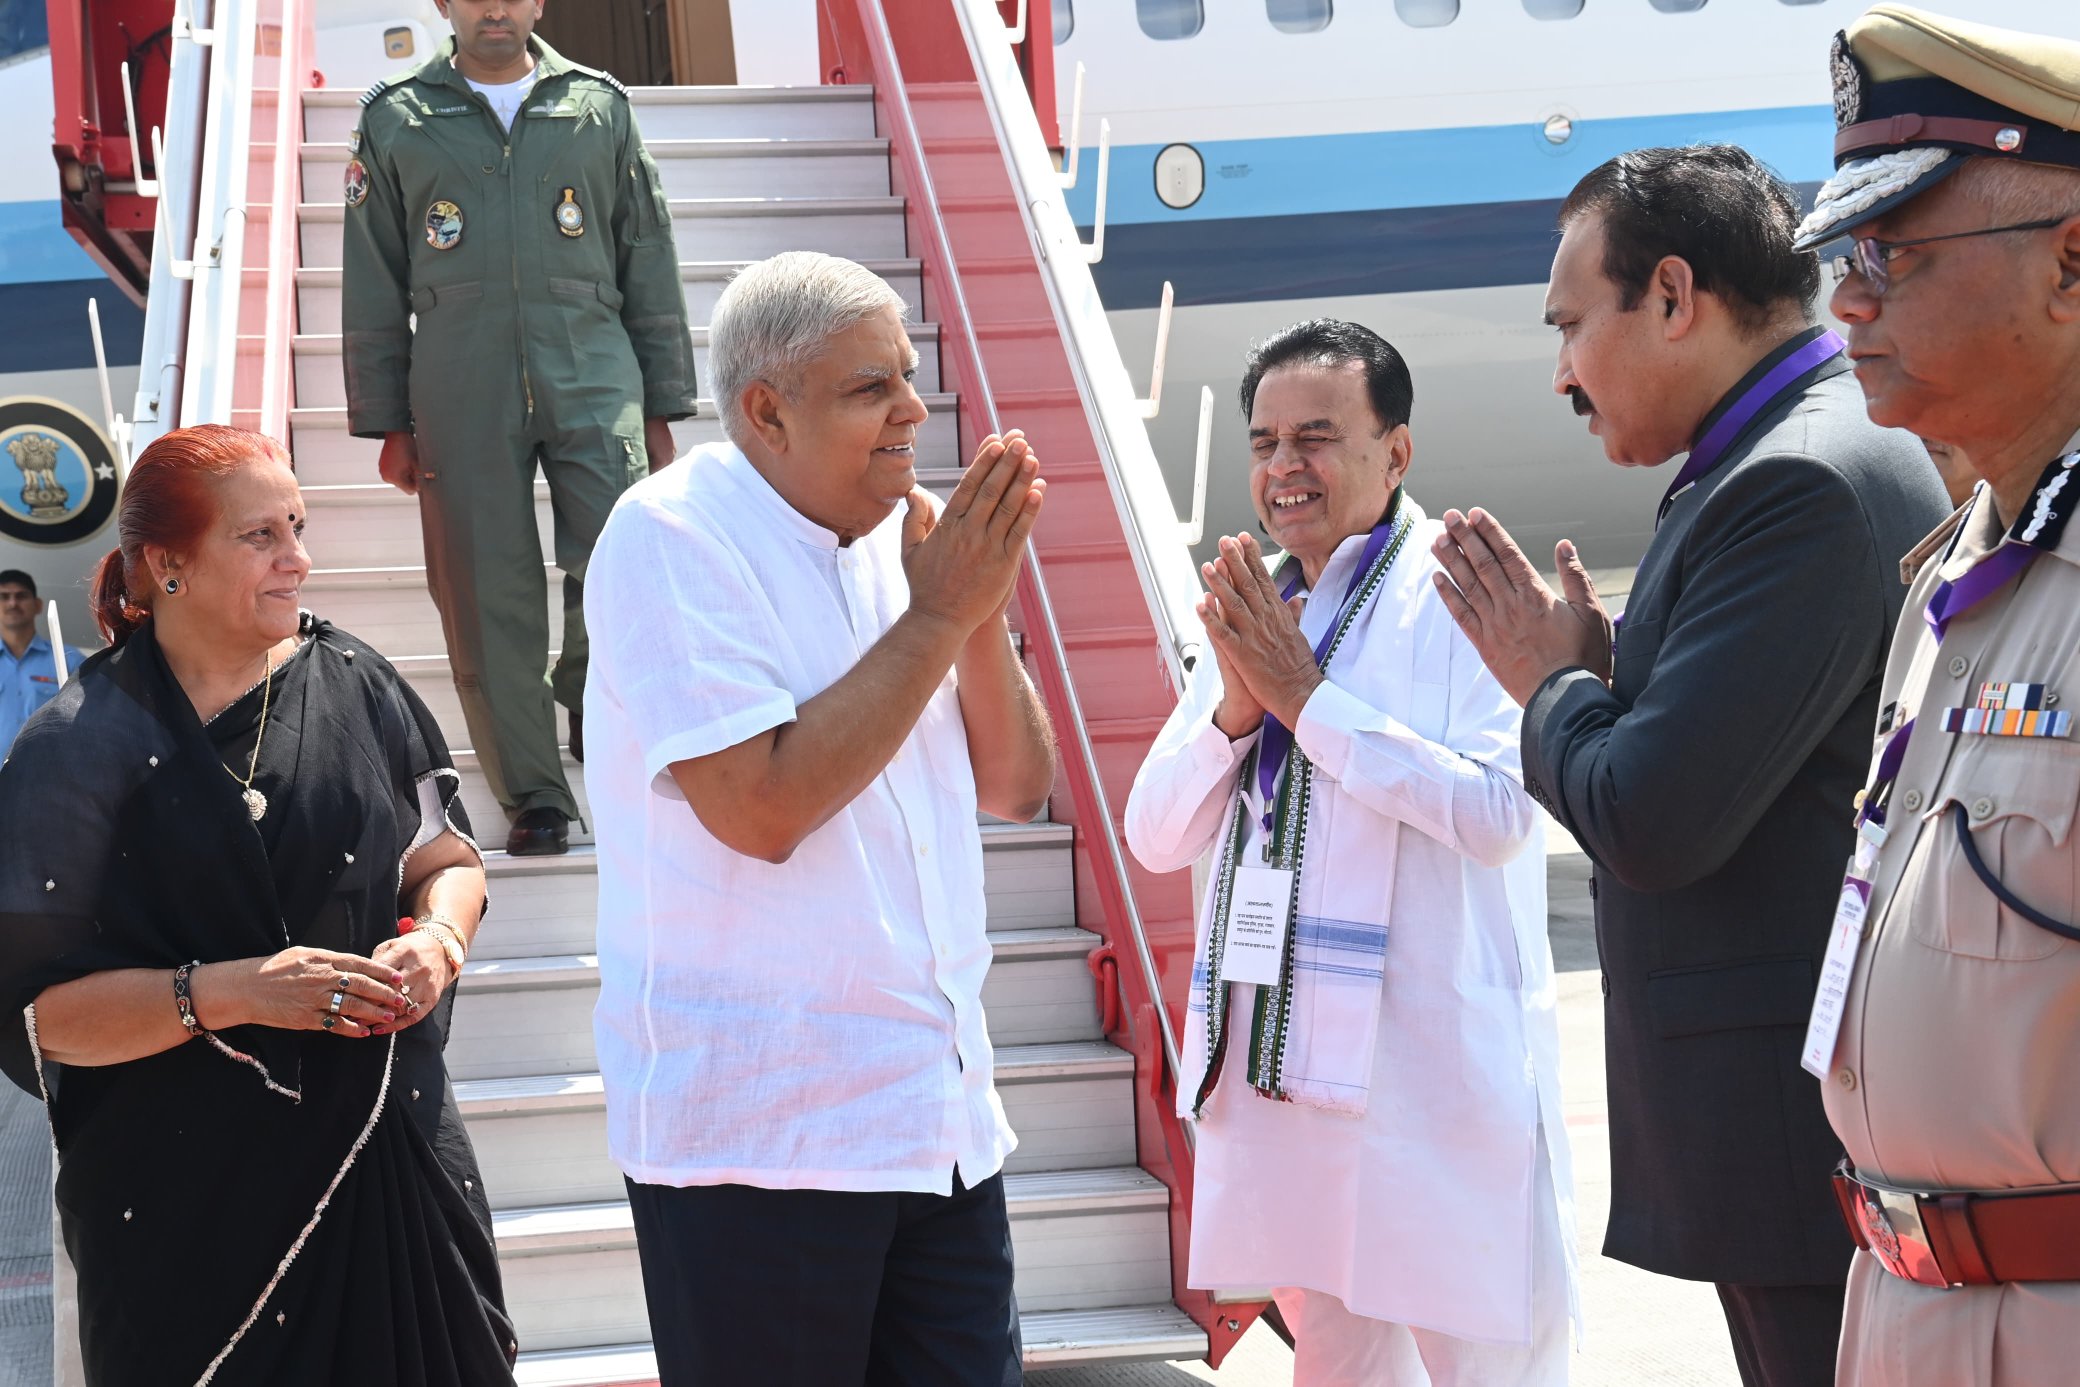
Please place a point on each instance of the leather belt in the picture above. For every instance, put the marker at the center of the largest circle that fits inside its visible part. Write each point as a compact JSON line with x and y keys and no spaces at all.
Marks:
{"x":1960,"y":1238}
{"x":1995,"y":136}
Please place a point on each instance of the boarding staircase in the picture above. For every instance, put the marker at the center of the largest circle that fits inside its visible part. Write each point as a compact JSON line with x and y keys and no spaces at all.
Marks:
{"x":920,"y":158}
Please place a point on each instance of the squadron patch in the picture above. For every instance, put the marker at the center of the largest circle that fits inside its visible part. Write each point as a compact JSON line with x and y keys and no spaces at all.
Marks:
{"x":443,"y":225}
{"x":356,"y":183}
{"x":570,"y":217}
{"x":1848,"y":83}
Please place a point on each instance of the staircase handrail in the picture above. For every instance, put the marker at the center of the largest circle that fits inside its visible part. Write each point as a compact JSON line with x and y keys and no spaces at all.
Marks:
{"x":298,"y":46}
{"x":1148,"y":514}
{"x":1087,"y":786}
{"x":162,"y":357}
{"x":210,"y":367}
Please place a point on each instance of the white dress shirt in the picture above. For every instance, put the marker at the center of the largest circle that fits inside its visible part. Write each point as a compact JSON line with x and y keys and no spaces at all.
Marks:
{"x":816,"y":1024}
{"x":1422,"y":1210}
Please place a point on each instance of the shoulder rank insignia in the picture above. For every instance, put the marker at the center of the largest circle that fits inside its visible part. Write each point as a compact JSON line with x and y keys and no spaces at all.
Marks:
{"x":2009,"y":709}
{"x":570,"y":217}
{"x":377,"y":90}
{"x":443,"y":225}
{"x":356,"y":183}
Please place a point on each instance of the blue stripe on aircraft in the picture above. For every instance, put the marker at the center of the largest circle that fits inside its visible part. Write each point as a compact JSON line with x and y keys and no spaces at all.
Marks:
{"x":1309,"y":174}
{"x":43,"y":326}
{"x":35,"y":246}
{"x":1333,"y":254}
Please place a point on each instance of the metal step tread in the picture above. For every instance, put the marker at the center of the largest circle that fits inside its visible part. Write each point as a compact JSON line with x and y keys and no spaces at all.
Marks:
{"x":321,"y":213}
{"x":335,"y":151}
{"x":335,"y":417}
{"x":542,"y":971}
{"x":1053,"y":1338}
{"x":1079,"y":1059}
{"x":329,"y":343}
{"x":343,"y":98}
{"x":594,"y":1227}
{"x":329,"y":276}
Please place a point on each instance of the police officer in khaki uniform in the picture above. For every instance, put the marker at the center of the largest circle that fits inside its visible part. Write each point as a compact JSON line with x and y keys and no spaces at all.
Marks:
{"x":1947,"y":1022}
{"x":511,"y":298}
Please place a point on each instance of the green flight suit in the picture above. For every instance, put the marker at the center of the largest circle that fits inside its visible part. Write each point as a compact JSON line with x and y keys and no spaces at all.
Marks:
{"x":550,"y":322}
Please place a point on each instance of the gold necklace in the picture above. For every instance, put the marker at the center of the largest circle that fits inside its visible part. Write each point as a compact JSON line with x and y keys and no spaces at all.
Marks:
{"x":256,"y":803}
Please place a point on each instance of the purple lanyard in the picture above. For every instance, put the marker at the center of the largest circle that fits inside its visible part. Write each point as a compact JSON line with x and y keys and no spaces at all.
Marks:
{"x":1277,"y":739}
{"x":1951,"y":600}
{"x":1711,"y":449}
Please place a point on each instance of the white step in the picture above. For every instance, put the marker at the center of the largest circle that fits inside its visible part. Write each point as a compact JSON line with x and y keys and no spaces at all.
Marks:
{"x":374,"y":525}
{"x":431,"y":679}
{"x":858,"y":228}
{"x":1052,"y":1338}
{"x":321,"y":382}
{"x":318,"y":290}
{"x":1028,"y":884}
{"x":522,"y":1016}
{"x":391,"y":609}
{"x":705,"y":168}
{"x":543,"y":1140}
{"x":1080,"y":1239}
{"x":678,"y":113}
{"x":327,"y":455}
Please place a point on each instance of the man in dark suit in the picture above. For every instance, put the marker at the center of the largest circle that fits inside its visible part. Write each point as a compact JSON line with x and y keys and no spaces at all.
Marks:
{"x":1706,"y":759}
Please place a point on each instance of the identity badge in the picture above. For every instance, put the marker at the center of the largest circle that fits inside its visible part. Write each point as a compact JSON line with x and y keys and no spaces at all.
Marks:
{"x":1258,"y":910}
{"x":1837,"y":971}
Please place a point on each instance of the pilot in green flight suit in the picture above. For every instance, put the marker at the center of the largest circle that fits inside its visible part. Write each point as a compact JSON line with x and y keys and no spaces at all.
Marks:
{"x":501,"y":195}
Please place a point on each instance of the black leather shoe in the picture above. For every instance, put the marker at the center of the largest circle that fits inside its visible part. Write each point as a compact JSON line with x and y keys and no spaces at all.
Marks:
{"x":540,"y":832}
{"x":577,"y":736}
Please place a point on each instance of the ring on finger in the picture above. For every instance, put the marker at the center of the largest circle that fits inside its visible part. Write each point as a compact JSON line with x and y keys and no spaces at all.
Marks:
{"x":328,"y":1022}
{"x":411,"y":1006}
{"x":338,"y":999}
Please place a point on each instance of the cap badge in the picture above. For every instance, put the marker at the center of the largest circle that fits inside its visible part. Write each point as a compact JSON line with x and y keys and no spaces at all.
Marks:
{"x":2008,"y":140}
{"x":570,"y":217}
{"x":1848,"y":83}
{"x":443,"y":225}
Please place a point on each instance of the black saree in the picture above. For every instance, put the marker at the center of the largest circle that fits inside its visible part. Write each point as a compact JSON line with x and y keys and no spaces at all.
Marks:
{"x":261,"y":1206}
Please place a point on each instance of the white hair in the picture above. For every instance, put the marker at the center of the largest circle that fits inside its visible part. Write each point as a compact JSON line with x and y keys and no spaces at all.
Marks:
{"x":776,"y":316}
{"x":2017,"y":191}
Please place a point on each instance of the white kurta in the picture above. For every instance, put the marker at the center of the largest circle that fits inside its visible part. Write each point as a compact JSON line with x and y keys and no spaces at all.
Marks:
{"x":1421,"y":1211}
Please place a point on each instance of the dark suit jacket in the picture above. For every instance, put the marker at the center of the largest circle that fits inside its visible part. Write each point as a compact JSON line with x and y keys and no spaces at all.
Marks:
{"x":1712,"y":785}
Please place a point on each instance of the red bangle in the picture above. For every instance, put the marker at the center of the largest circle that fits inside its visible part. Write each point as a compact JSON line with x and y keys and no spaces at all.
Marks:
{"x":406,"y":924}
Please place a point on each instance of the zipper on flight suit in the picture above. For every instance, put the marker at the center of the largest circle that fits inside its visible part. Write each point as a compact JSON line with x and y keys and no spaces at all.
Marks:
{"x":505,"y":138}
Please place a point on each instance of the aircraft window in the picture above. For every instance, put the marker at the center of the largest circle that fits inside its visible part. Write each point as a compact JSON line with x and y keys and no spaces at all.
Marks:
{"x":1552,"y":9}
{"x":1064,"y":20}
{"x":1426,"y":14}
{"x":1300,"y":16}
{"x":1677,"y":6}
{"x":1170,"y":19}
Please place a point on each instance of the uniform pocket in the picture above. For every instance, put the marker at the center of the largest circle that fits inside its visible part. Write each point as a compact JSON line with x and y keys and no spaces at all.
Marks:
{"x":2018,"y":796}
{"x":427,"y":297}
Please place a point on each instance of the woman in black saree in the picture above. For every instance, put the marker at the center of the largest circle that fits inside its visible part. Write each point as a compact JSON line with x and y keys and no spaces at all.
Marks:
{"x":211,"y":835}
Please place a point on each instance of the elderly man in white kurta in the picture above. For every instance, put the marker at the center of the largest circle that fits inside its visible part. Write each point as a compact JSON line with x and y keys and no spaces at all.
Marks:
{"x":1371,"y":1050}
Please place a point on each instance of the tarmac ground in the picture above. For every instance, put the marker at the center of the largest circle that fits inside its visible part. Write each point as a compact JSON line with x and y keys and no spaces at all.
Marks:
{"x":1642,"y":1330}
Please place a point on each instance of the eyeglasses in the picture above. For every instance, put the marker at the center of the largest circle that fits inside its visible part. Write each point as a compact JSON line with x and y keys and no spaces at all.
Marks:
{"x":1868,"y":255}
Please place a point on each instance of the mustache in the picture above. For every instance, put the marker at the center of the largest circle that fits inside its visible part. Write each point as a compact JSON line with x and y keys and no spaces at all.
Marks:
{"x":1579,"y":398}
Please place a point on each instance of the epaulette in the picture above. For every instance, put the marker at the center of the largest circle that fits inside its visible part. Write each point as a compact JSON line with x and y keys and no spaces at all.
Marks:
{"x":602,"y":74}
{"x":385,"y":85}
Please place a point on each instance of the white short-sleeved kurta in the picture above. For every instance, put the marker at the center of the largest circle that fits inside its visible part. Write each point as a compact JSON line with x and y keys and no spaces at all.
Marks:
{"x":815,"y":1024}
{"x":1421,"y":1211}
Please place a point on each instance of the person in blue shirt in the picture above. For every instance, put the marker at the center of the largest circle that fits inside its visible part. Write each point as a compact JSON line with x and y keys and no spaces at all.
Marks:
{"x":28,"y":675}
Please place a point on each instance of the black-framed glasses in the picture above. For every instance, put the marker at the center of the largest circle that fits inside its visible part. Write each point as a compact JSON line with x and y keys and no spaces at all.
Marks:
{"x":1868,"y":255}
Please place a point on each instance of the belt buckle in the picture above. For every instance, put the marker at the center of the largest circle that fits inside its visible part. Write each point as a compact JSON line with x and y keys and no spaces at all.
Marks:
{"x":1891,"y":1221}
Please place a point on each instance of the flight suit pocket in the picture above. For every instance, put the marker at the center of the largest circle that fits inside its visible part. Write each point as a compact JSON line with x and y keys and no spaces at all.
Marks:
{"x":427,"y":297}
{"x":2017,"y":797}
{"x":584,"y":289}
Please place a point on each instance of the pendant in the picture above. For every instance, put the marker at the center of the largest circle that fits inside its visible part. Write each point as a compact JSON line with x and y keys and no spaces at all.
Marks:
{"x":256,"y":804}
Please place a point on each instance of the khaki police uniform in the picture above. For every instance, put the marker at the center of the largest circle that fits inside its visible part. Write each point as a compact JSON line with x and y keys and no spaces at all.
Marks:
{"x":1951,"y":1078}
{"x":513,"y":299}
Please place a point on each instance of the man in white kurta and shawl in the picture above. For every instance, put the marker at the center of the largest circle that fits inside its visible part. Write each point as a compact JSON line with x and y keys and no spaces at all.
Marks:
{"x":1378,"y":1107}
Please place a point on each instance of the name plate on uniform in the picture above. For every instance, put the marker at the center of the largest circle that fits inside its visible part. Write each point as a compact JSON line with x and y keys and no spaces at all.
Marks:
{"x":1258,"y":910}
